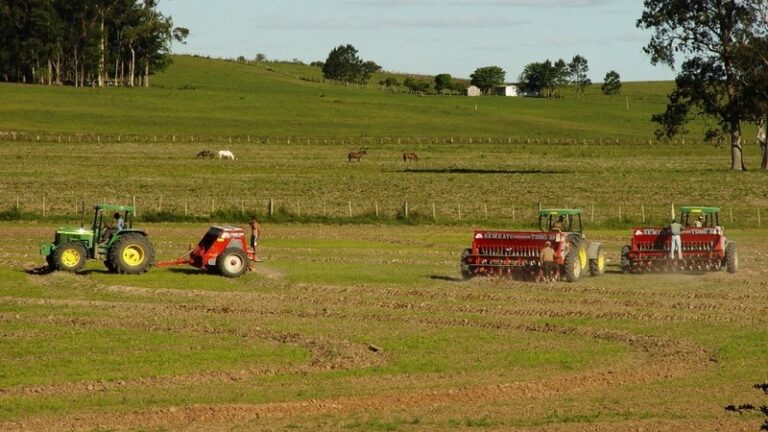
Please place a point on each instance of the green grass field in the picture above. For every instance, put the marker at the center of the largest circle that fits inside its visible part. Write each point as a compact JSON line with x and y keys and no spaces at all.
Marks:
{"x":362,"y":323}
{"x":212,"y":97}
{"x":288,"y":347}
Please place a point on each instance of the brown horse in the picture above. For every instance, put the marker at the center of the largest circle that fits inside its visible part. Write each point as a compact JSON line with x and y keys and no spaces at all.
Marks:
{"x":410,"y":156}
{"x":205,"y":154}
{"x":356,"y":155}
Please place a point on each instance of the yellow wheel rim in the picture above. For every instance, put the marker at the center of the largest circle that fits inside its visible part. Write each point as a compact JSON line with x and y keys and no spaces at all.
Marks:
{"x":583,"y":257}
{"x":70,"y":258}
{"x":601,"y":263}
{"x":133,"y":255}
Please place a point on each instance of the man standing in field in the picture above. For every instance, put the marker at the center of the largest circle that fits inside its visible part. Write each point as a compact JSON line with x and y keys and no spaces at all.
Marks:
{"x":254,"y":241}
{"x":547,"y":258}
{"x":676,"y":244}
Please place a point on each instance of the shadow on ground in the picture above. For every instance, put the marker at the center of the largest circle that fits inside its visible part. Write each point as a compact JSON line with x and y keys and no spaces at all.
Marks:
{"x":475,"y":171}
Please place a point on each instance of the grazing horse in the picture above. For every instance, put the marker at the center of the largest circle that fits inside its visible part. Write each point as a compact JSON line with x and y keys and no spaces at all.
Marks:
{"x":356,"y":155}
{"x":205,"y":154}
{"x":226,"y":154}
{"x":410,"y":156}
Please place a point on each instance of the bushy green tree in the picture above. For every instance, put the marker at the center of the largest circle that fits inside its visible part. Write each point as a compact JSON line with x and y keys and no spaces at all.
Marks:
{"x":343,"y":64}
{"x":488,"y":77}
{"x":84,"y":42}
{"x":611,"y":84}
{"x":578,"y":69}
{"x":443,"y":82}
{"x":416,"y":85}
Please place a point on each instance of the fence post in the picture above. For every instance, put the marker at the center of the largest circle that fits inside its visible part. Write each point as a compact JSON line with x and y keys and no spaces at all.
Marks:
{"x":43,"y":205}
{"x":186,"y":208}
{"x":459,"y":211}
{"x":730,"y":211}
{"x":135,"y":210}
{"x":434,"y":212}
{"x":349,"y":206}
{"x":759,"y":222}
{"x":406,"y":209}
{"x":592,"y":214}
{"x":160,"y":204}
{"x":376,"y":205}
{"x":213,"y":206}
{"x":619,"y":212}
{"x":271,"y":207}
{"x":642,"y":212}
{"x":513,"y":213}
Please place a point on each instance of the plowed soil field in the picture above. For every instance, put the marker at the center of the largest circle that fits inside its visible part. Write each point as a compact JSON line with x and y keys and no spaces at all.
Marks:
{"x":360,"y":328}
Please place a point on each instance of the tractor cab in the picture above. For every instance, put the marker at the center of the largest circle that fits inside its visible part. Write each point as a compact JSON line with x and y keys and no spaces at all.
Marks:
{"x":562,"y":220}
{"x":699,"y":216}
{"x":103,"y":217}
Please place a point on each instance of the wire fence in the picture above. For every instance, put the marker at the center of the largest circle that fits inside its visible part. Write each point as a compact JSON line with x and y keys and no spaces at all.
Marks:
{"x":360,"y":141}
{"x":159,"y":207}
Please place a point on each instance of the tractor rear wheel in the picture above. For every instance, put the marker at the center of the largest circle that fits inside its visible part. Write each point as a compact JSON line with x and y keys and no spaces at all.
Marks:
{"x":466,"y":273}
{"x":233,"y":262}
{"x":70,"y":257}
{"x":731,"y":258}
{"x":572,"y":265}
{"x":597,"y":265}
{"x":131,"y":254}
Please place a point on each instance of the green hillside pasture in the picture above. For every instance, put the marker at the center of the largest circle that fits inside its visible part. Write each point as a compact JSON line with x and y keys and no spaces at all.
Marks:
{"x":213,"y":97}
{"x":369,"y":328}
{"x":500,"y":182}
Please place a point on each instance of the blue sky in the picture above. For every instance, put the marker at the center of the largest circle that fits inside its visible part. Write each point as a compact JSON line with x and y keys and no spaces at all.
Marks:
{"x":425,"y":36}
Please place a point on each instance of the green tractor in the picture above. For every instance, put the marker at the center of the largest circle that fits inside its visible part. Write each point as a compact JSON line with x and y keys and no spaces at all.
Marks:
{"x":127,"y":250}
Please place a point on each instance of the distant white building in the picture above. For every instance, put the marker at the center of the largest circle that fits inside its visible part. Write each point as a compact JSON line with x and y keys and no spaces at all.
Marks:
{"x":506,"y":90}
{"x":473,"y":91}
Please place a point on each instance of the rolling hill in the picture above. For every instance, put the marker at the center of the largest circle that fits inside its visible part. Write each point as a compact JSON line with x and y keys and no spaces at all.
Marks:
{"x":217,"y":97}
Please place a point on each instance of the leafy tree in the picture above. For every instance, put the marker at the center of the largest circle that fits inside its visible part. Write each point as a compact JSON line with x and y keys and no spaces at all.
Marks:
{"x":577,"y":69}
{"x":389,"y":81}
{"x":486,"y":78}
{"x":713,"y":82}
{"x":536,"y":77}
{"x":443,"y":82}
{"x":260,"y":57}
{"x":84,"y":42}
{"x":544,"y":78}
{"x":611,"y":83}
{"x":560,"y":75}
{"x":752,"y":60}
{"x":416,"y":85}
{"x":317,"y":64}
{"x":343,"y":64}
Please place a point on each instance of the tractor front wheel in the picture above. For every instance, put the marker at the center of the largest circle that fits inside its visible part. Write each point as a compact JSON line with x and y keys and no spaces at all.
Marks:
{"x":233,"y":262}
{"x":466,"y":273}
{"x":597,"y":265}
{"x":731,"y":258}
{"x":70,"y":257}
{"x":572,"y":265}
{"x":131,"y":254}
{"x":626,"y":263}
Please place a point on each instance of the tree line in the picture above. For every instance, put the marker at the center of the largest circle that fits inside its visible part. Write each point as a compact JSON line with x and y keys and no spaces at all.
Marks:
{"x":84,"y":42}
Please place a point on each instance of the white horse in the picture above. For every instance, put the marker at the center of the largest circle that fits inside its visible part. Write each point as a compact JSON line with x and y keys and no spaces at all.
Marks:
{"x":226,"y":154}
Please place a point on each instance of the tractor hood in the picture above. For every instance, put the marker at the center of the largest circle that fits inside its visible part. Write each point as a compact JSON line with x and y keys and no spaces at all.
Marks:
{"x":74,"y":231}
